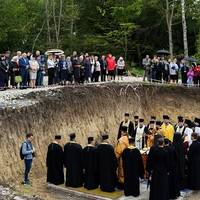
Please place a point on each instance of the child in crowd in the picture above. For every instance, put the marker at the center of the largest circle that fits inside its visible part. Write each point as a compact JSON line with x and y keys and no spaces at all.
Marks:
{"x":190,"y":76}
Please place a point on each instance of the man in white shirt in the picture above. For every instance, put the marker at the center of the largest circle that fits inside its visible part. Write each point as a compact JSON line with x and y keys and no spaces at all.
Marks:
{"x":188,"y":131}
{"x":173,"y":71}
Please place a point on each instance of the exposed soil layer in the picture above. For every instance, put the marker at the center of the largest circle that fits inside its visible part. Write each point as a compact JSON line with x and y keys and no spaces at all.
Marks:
{"x":86,"y":110}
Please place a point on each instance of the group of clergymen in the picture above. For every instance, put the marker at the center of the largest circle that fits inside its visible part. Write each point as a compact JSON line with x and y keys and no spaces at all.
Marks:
{"x":172,"y":152}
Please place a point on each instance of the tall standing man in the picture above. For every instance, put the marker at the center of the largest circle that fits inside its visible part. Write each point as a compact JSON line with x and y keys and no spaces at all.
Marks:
{"x":28,"y":152}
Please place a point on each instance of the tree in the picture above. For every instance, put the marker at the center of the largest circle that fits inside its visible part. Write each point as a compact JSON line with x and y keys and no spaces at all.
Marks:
{"x":169,"y":12}
{"x":184,"y":24}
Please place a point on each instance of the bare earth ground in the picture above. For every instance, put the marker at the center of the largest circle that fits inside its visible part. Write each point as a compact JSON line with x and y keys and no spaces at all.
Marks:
{"x":39,"y":186}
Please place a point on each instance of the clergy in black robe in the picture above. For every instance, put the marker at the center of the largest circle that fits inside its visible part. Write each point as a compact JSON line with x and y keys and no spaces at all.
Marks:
{"x":133,"y":169}
{"x":73,"y":163}
{"x":158,"y":169}
{"x":194,"y":163}
{"x":179,"y":148}
{"x":180,"y":128}
{"x":90,"y":165}
{"x":174,"y":183}
{"x":126,"y":123}
{"x":107,"y":166}
{"x":54,"y":162}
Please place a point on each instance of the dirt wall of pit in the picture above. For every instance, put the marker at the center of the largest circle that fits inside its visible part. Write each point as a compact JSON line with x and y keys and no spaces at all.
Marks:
{"x":86,"y":110}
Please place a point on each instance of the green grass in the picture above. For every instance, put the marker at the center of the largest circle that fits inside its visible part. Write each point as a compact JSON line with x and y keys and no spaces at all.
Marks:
{"x":136,"y":71}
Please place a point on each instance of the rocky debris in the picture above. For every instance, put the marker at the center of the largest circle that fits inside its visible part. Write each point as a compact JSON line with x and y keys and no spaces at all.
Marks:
{"x":16,"y":98}
{"x":8,"y":194}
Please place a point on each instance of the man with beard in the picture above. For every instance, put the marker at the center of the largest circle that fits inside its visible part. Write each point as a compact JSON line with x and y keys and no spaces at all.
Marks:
{"x":180,"y":128}
{"x":133,"y":169}
{"x":136,"y":121}
{"x":90,"y":165}
{"x":54,"y":161}
{"x":194,"y":163}
{"x":107,"y":165}
{"x":158,"y":170}
{"x":140,"y":134}
{"x":73,"y":163}
{"x":167,"y":129}
{"x":126,"y":123}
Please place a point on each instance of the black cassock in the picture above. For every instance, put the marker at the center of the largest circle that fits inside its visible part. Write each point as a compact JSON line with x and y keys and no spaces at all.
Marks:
{"x":174,"y":180}
{"x":54,"y":162}
{"x":130,"y":129}
{"x":133,"y":170}
{"x":179,"y":148}
{"x":73,"y":164}
{"x":90,"y":165}
{"x":194,"y":166}
{"x":107,"y":166}
{"x":158,"y":167}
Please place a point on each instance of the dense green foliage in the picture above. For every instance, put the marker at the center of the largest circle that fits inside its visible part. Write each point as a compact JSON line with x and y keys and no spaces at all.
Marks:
{"x":130,"y":28}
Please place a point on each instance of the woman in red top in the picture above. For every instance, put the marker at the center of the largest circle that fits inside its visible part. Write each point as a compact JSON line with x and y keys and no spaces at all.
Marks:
{"x":111,"y":64}
{"x":197,"y":75}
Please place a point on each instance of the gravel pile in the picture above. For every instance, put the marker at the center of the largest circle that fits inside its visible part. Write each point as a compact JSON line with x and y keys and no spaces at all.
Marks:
{"x":8,"y":194}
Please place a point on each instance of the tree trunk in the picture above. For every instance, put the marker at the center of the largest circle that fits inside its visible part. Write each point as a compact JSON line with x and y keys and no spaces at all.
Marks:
{"x":59,"y":23}
{"x":170,"y":41}
{"x":169,"y":12}
{"x":72,"y":21}
{"x":55,"y":22}
{"x":125,"y":47}
{"x":184,"y":24}
{"x":37,"y":36}
{"x":48,"y":23}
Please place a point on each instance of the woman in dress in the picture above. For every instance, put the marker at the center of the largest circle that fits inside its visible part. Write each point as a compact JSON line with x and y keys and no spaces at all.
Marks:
{"x":34,"y":66}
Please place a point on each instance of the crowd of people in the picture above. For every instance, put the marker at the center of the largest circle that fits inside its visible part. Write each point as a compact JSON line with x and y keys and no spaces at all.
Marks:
{"x":161,"y":69}
{"x":28,"y":69}
{"x":166,"y":154}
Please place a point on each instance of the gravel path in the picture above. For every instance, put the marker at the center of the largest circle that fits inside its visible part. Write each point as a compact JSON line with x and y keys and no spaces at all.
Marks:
{"x":15,"y":98}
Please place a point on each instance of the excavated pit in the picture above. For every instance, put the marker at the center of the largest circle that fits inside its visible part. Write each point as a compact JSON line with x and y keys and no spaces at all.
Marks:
{"x":85,"y":110}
